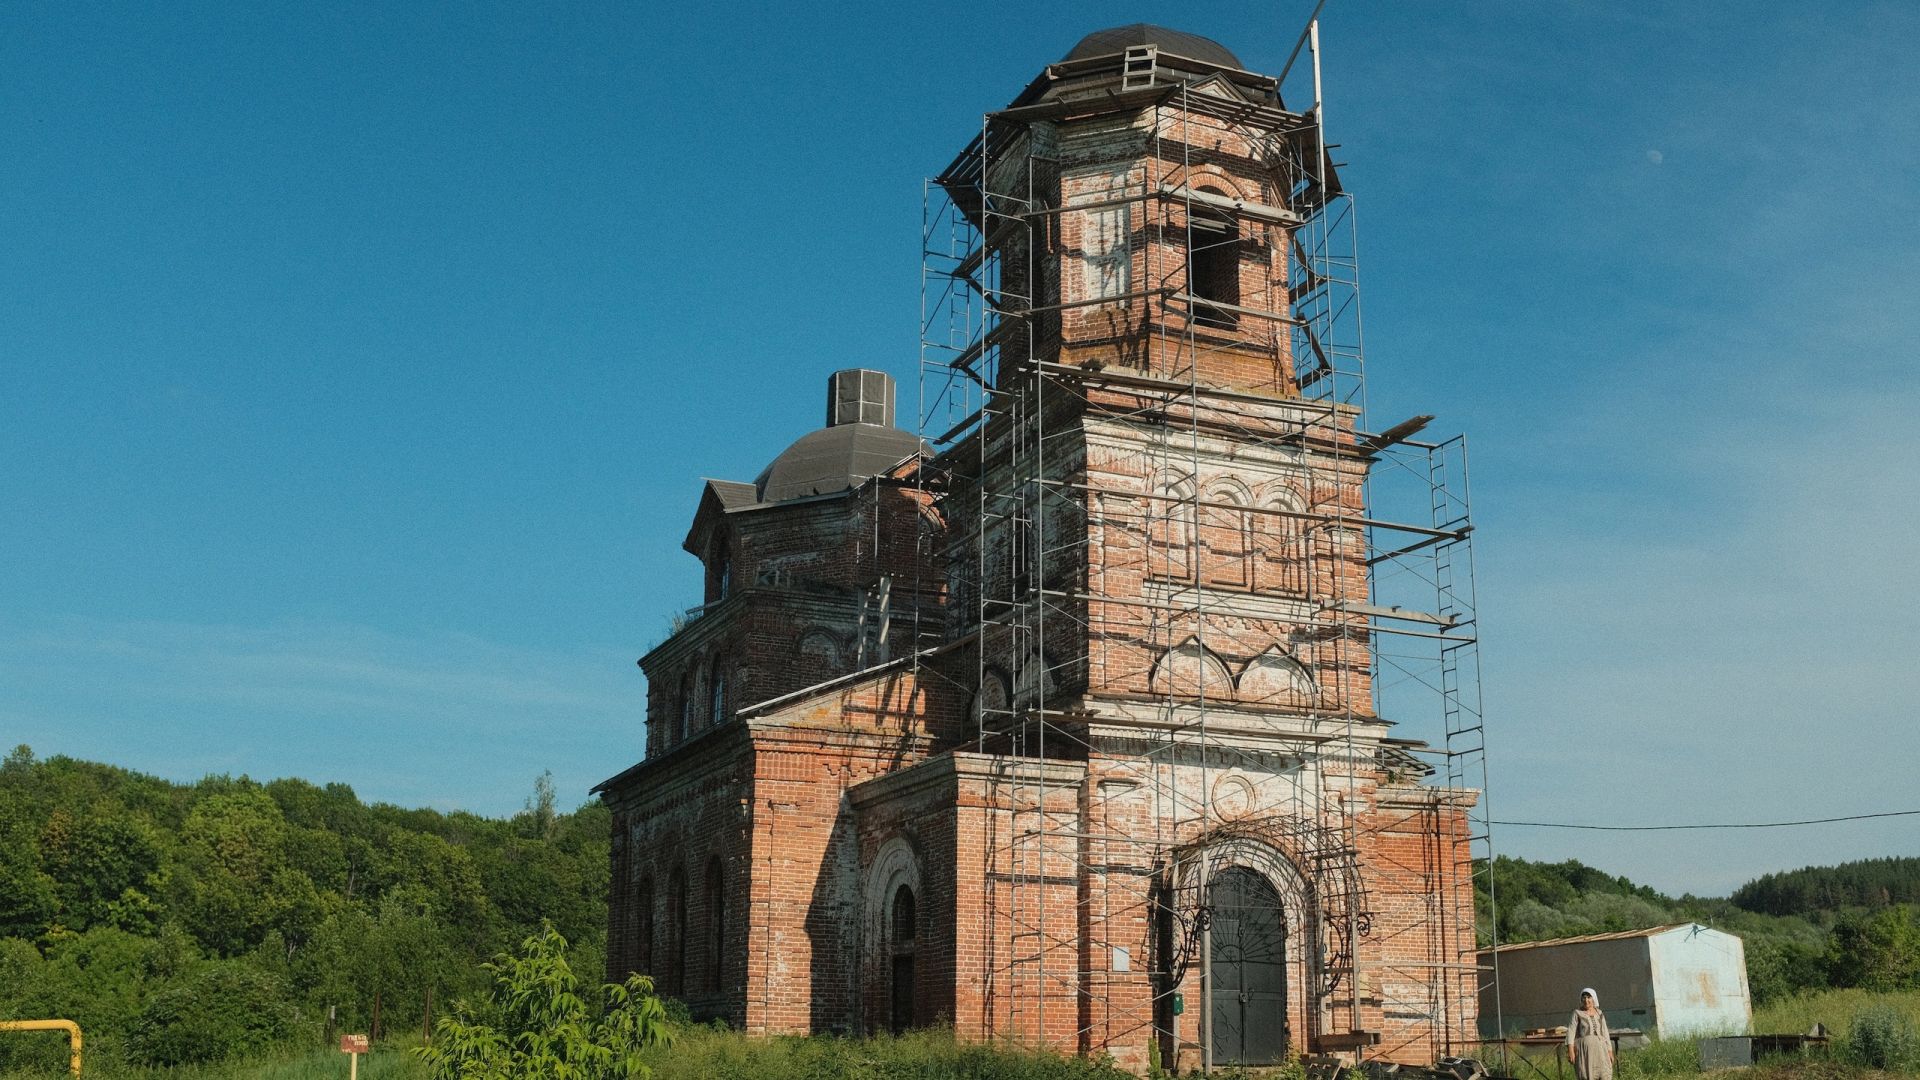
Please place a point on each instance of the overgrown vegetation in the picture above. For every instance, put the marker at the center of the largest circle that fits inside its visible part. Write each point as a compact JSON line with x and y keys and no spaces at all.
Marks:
{"x":534,"y":1022}
{"x":193,"y":923}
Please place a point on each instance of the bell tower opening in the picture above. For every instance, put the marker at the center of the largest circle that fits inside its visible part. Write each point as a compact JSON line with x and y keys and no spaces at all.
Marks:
{"x":1213,"y":267}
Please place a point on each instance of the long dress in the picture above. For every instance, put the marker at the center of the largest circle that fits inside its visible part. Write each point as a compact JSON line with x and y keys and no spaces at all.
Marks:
{"x":1592,"y":1046}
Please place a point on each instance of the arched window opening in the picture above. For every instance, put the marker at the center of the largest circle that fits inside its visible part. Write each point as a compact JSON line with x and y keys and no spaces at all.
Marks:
{"x":993,"y":706}
{"x":819,"y":648}
{"x":1283,"y":545}
{"x":1170,"y":521}
{"x":1224,"y":539}
{"x":677,"y":932}
{"x":1213,"y":266}
{"x":686,"y":703}
{"x":717,"y":696}
{"x":643,"y":927}
{"x":906,"y":922}
{"x":719,"y":570}
{"x":716,"y":925}
{"x":906,"y":929}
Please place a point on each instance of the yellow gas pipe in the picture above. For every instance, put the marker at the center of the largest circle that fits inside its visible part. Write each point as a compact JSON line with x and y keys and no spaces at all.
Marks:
{"x":73,"y":1036}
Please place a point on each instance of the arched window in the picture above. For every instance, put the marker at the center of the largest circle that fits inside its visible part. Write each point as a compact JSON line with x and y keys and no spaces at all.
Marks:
{"x":903,"y":942}
{"x":677,"y":932}
{"x":993,"y":706}
{"x":719,"y":569}
{"x":1170,"y":529}
{"x":686,"y":703}
{"x":1224,"y":539}
{"x":1282,"y":562}
{"x":716,"y":925}
{"x":717,"y":695}
{"x":819,"y":648}
{"x":643,"y":926}
{"x":892,"y":929}
{"x":1213,"y":265}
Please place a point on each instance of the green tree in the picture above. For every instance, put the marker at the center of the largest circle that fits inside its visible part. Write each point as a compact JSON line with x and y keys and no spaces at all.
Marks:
{"x":226,"y":1009}
{"x":1877,"y":950}
{"x":107,"y":869}
{"x":239,"y":881}
{"x":535,"y":1025}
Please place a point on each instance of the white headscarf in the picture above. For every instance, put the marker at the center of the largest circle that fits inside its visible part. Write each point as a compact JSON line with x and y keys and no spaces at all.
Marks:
{"x":1588,"y":992}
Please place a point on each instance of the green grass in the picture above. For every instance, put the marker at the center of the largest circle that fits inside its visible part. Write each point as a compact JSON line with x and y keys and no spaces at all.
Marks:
{"x":699,"y":1054}
{"x":703,"y":1053}
{"x":707,"y":1054}
{"x":1834,"y":1008}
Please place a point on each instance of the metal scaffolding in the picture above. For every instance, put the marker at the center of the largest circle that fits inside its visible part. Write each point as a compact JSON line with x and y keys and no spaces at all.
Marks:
{"x":1376,"y":589}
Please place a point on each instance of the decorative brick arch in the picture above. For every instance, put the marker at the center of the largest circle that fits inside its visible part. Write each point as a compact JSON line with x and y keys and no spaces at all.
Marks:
{"x":1277,"y":677}
{"x":1226,"y":535}
{"x":896,"y":864}
{"x":820,"y":645}
{"x":1171,"y":525}
{"x":1322,"y":896}
{"x":1281,"y":540}
{"x":1210,"y":176}
{"x":1190,"y":668}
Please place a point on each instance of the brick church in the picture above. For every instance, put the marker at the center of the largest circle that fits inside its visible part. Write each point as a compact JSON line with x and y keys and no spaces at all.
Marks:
{"x":1061,"y":726}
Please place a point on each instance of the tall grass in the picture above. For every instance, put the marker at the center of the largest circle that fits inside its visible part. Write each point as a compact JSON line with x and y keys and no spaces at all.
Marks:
{"x":1835,"y":1008}
{"x":707,"y":1054}
{"x":383,"y":1064}
{"x":700,"y":1053}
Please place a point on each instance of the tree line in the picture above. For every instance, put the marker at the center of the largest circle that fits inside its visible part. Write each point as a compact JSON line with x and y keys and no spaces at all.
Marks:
{"x":1854,"y":925}
{"x":182,"y":922}
{"x":1868,"y":883}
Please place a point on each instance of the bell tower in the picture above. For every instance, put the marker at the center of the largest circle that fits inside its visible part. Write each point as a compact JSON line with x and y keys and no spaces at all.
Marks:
{"x":1138,"y":202}
{"x":1171,"y":583}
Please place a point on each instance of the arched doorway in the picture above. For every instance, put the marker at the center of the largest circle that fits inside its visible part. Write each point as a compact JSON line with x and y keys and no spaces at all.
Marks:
{"x":1248,"y":1006}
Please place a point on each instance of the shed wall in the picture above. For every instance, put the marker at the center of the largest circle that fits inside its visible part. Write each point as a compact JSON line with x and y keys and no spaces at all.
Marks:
{"x":1540,"y":987}
{"x":1700,"y":979}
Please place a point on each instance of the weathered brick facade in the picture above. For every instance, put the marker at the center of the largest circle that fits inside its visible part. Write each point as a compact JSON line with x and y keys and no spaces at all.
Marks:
{"x":989,"y":737}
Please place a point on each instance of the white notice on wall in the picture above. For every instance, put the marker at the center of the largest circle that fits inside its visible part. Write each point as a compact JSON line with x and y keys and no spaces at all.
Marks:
{"x":1122,"y":960}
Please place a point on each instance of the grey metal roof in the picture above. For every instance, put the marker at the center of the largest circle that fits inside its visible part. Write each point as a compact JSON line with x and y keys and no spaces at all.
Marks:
{"x":1615,"y":935}
{"x":733,"y":493}
{"x":1178,"y":42}
{"x":834,"y":459}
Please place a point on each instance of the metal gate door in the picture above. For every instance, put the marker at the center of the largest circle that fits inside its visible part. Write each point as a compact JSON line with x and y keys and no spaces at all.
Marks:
{"x":1249,"y":1000}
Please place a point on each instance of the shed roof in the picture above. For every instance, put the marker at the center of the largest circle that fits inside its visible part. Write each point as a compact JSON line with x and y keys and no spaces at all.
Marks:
{"x":1616,"y":935}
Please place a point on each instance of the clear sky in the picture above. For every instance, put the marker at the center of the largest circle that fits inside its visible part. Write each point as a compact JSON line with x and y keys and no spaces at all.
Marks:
{"x":358,"y":366}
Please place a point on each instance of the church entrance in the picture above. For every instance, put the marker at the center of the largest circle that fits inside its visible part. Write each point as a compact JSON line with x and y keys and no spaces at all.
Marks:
{"x":1249,"y":999}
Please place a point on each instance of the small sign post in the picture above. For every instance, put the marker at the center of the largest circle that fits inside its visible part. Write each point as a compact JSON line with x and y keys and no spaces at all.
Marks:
{"x":353,"y":1046}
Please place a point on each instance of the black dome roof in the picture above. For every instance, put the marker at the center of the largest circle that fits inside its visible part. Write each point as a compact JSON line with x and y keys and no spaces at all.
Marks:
{"x":1178,"y":42}
{"x":834,"y":459}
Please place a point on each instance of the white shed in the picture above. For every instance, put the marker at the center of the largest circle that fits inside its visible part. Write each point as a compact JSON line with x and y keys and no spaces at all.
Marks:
{"x":1668,"y":981}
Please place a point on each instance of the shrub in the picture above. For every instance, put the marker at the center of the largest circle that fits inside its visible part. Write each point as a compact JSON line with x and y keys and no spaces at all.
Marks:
{"x":1882,"y":1037}
{"x":225,"y":1009}
{"x":535,"y":1023}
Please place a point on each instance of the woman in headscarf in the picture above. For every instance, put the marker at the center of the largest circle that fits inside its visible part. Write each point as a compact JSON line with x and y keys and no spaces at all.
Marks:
{"x":1589,"y":1043}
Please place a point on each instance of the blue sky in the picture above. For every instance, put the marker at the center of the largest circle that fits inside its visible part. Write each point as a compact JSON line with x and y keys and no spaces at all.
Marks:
{"x":360,"y":365}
